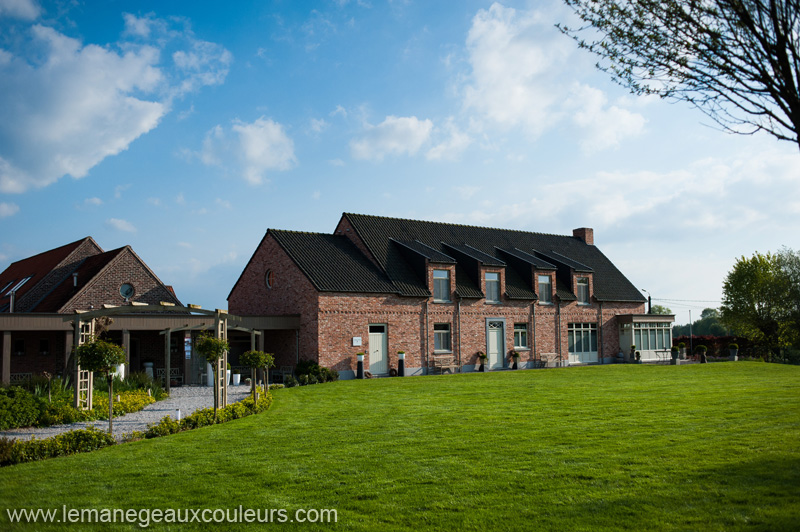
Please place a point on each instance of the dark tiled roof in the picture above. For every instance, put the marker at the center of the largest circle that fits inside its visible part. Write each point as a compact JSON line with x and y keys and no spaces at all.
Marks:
{"x":466,"y":286}
{"x":36,"y":267}
{"x":63,"y":292}
{"x":428,"y":252}
{"x":478,"y":255}
{"x":333,"y":263}
{"x":555,"y":256}
{"x":609,"y":283}
{"x":538,"y":263}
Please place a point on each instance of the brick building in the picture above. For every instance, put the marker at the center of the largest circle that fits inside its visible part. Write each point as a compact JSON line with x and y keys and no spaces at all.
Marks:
{"x":381,"y":285}
{"x":42,"y":294}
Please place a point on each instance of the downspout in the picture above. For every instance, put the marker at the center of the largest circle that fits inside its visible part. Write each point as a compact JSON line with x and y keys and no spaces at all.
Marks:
{"x":600,"y":326}
{"x":558,"y":313}
{"x":427,"y":360}
{"x":458,"y":324}
{"x":533,"y":328}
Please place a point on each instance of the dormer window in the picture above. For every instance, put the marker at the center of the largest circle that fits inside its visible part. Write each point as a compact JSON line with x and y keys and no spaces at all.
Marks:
{"x":441,"y":285}
{"x":545,"y":290}
{"x":492,"y":287}
{"x":583,"y":290}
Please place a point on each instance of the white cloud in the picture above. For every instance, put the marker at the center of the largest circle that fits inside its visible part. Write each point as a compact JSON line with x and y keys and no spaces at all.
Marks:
{"x":8,"y":209}
{"x":225,"y":204}
{"x":154,"y":201}
{"x":452,"y":147}
{"x":519,"y":64}
{"x":121,"y":225}
{"x":93,"y":202}
{"x":20,"y":9}
{"x":67,"y":106}
{"x":394,"y":136}
{"x":119,"y":189}
{"x":602,"y":127}
{"x":255,"y":148}
{"x":318,"y":125}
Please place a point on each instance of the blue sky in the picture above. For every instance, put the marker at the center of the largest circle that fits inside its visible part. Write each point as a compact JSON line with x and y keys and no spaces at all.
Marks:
{"x":186,"y":129}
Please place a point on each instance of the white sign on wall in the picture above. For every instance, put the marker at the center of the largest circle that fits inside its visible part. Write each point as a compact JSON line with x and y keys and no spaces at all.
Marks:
{"x":356,"y":341}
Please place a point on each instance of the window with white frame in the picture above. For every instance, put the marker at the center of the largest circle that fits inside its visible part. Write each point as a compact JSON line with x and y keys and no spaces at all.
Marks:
{"x":583,"y":290}
{"x":441,"y":285}
{"x":545,"y":289}
{"x":441,"y":337}
{"x":582,"y":337}
{"x":652,"y":336}
{"x":492,"y":287}
{"x":521,"y":335}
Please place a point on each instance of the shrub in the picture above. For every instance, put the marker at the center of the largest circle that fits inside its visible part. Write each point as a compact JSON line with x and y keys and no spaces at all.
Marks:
{"x":131,"y":401}
{"x":290,"y":381}
{"x":75,"y":441}
{"x":319,"y":373}
{"x":165,"y":427}
{"x":18,"y":408}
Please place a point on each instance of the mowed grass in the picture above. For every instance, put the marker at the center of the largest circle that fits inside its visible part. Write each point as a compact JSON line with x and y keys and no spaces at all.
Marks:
{"x":623,"y":447}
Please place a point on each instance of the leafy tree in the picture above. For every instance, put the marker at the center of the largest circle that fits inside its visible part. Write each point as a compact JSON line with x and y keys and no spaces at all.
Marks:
{"x":760,"y":298}
{"x":101,"y":356}
{"x":660,"y":309}
{"x":258,"y":360}
{"x":212,"y":349}
{"x":708,"y":325}
{"x":735,"y":60}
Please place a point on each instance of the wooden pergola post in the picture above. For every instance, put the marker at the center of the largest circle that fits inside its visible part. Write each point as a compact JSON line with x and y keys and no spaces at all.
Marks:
{"x":221,"y":326}
{"x":84,"y":332}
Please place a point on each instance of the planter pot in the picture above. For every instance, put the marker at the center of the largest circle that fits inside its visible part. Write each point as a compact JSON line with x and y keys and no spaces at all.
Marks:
{"x":734,"y":354}
{"x":236,"y":379}
{"x":514,"y":365}
{"x":482,"y":367}
{"x":228,"y":375}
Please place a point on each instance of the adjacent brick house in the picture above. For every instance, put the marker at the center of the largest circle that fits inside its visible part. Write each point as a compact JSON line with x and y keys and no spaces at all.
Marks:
{"x":381,"y":285}
{"x":39,"y":290}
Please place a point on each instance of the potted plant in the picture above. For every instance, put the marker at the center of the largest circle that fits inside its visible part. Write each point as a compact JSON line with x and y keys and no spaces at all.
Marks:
{"x":733,"y":349}
{"x":675,"y":352}
{"x":237,"y":377}
{"x":682,"y":347}
{"x":482,"y":359}
{"x":701,"y":352}
{"x":632,"y":355}
{"x":228,"y":374}
{"x":515,"y":358}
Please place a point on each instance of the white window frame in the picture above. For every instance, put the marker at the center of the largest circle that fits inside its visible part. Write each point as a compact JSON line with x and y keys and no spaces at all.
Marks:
{"x":545,"y":295}
{"x":441,"y":338}
{"x":438,"y":288}
{"x":493,"y":295}
{"x":583,"y":336}
{"x":582,"y":289}
{"x":652,"y":336}
{"x":521,"y":329}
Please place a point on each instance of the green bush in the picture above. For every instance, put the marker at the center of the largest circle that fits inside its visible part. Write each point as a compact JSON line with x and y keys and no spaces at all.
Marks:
{"x":290,"y":381}
{"x":131,"y":401}
{"x":75,"y":441}
{"x":314,"y":373}
{"x":18,"y":408}
{"x":165,"y":427}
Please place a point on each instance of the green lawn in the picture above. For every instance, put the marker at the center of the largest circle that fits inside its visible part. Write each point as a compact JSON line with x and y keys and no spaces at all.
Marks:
{"x":623,"y":447}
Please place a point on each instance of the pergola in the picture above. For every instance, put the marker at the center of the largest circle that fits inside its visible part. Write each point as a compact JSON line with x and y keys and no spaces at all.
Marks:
{"x":168,"y":318}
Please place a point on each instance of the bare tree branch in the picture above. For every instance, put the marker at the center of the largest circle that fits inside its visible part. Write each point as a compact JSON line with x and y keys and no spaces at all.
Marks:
{"x":738,"y":61}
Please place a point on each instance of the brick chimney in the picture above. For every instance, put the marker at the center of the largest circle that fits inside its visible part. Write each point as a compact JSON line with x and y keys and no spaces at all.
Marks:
{"x":584,"y":233}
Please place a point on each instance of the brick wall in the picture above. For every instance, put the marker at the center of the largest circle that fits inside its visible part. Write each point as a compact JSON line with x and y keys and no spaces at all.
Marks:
{"x":32,"y":360}
{"x":85,"y":249}
{"x":104,"y":288}
{"x":291,"y":293}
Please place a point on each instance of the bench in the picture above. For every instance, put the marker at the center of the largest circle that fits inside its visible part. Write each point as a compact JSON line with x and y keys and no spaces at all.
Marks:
{"x":440,"y":363}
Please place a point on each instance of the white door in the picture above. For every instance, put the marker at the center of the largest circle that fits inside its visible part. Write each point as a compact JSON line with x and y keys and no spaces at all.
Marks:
{"x":495,"y":344}
{"x":378,"y":349}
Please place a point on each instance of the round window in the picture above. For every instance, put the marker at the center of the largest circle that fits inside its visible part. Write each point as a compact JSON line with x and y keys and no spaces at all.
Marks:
{"x":126,"y":290}
{"x":269,"y":279}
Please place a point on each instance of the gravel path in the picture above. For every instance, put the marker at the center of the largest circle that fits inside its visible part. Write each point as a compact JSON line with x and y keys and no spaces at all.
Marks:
{"x":186,"y":398}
